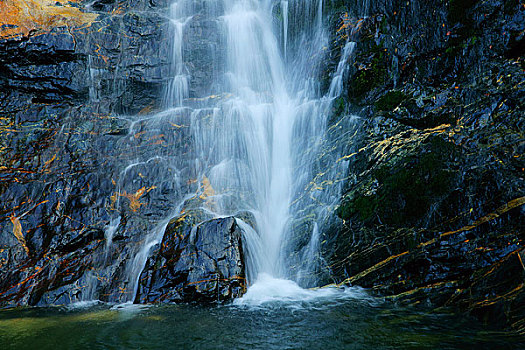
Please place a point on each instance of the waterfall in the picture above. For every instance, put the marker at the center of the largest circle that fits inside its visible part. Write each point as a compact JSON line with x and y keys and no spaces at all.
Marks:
{"x":177,"y":89}
{"x":284,"y":13}
{"x":256,"y":127}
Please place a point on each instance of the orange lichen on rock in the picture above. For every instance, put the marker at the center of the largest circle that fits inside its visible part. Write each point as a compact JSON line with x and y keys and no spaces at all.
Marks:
{"x":207,"y":189}
{"x":208,"y":193}
{"x":20,"y":17}
{"x":134,"y":203}
{"x":17,"y":225}
{"x":17,"y":231}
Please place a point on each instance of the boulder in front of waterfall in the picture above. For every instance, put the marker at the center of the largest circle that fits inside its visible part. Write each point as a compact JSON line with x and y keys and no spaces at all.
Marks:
{"x":201,"y":262}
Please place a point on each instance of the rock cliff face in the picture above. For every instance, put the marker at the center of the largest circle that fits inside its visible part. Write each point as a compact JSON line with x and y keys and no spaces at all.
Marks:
{"x":433,"y":207}
{"x":433,"y":210}
{"x":54,"y":128}
{"x":84,"y":168}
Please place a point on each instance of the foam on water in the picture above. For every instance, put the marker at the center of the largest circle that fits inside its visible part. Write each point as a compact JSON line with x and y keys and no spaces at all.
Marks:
{"x":129,"y":307}
{"x":83,"y":304}
{"x":268,"y":291}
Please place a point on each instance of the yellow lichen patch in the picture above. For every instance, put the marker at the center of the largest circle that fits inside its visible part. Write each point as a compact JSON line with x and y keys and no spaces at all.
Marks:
{"x":113,"y":198}
{"x":134,"y":203}
{"x":207,"y":192}
{"x":20,"y":17}
{"x":383,"y":149}
{"x":17,"y":231}
{"x":207,"y":189}
{"x":180,"y":220}
{"x":500,"y":211}
{"x":349,"y":24}
{"x":372,"y":269}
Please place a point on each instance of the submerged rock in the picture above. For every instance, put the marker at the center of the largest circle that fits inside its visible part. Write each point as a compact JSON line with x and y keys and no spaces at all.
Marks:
{"x":203,"y":262}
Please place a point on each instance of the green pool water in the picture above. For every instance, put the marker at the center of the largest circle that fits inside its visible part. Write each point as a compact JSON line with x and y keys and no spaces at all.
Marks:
{"x":347,"y":324}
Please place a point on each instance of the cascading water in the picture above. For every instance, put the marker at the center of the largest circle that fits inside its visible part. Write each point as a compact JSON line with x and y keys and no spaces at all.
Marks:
{"x":258,"y":133}
{"x":249,"y":146}
{"x":177,"y":89}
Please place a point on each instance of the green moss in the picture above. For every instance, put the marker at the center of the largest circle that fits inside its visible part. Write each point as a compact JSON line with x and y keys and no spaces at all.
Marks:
{"x":452,"y":50}
{"x":367,"y":79}
{"x":403,"y":195}
{"x":390,"y":100}
{"x":406,"y":187}
{"x":367,"y":206}
{"x":457,"y":10}
{"x":339,"y":106}
{"x":338,"y":110}
{"x":362,"y":206}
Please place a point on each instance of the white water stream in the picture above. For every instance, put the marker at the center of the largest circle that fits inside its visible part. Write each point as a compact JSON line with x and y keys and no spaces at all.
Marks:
{"x":257,"y":137}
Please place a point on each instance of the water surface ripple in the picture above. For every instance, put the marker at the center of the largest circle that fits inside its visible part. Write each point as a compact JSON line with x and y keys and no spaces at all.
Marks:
{"x":346,"y":322}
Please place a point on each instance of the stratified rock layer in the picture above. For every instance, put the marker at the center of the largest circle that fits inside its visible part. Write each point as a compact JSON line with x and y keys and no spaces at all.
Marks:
{"x":433,"y":210}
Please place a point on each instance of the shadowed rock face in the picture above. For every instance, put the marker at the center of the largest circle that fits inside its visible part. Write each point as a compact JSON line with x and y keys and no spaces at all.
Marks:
{"x":203,"y":263}
{"x":433,"y":210}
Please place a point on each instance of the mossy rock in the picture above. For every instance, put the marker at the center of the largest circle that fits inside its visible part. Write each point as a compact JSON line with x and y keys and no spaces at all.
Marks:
{"x":365,"y":80}
{"x":401,"y":191}
{"x":390,"y":100}
{"x":457,"y":10}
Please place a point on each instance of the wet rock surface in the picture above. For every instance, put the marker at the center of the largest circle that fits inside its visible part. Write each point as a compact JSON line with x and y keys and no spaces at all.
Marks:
{"x":85,"y":172}
{"x":195,"y":262}
{"x":433,"y":210}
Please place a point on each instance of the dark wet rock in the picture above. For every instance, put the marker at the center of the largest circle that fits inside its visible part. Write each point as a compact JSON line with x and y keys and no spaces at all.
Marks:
{"x":28,"y":282}
{"x":433,"y":207}
{"x":195,"y":262}
{"x":203,"y":52}
{"x":86,"y":168}
{"x":64,"y":143}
